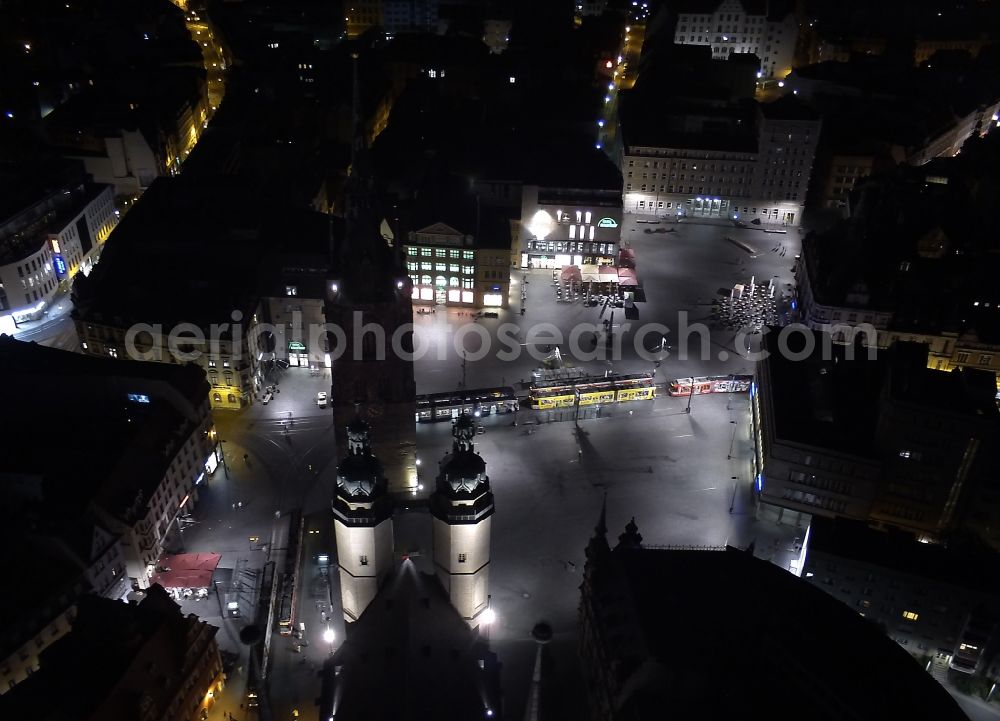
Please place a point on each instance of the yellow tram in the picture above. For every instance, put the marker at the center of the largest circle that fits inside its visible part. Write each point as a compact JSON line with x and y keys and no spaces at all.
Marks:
{"x":618,"y":389}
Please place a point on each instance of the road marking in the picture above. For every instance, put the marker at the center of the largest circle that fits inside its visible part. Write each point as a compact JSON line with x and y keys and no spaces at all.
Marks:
{"x":686,"y":435}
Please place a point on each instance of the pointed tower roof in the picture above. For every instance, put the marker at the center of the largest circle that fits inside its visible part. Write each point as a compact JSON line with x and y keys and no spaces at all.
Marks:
{"x":463,"y":492}
{"x":598,"y":545}
{"x":463,"y":470}
{"x":359,"y":474}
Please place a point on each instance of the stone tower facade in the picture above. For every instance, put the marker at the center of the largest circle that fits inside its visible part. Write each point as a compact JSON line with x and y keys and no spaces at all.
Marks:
{"x":362,"y":519}
{"x":462,"y":514}
{"x":368,"y":305}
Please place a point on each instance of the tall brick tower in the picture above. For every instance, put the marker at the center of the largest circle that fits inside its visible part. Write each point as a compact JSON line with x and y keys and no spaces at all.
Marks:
{"x":368,"y":299}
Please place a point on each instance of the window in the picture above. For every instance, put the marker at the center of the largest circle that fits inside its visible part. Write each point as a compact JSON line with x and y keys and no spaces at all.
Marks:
{"x":963,"y":358}
{"x":985,"y":360}
{"x":440,"y":253}
{"x":461,"y":558}
{"x":425,"y":252}
{"x":363,"y":560}
{"x":467,"y":255}
{"x":291,"y":290}
{"x":910,"y":615}
{"x":453,"y":254}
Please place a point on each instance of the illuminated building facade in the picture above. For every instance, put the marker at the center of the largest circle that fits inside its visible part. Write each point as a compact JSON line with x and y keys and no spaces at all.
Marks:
{"x":362,"y":521}
{"x":741,"y":26}
{"x":125,"y":661}
{"x":722,"y":162}
{"x":47,"y":235}
{"x":462,"y":517}
{"x":361,"y":15}
{"x":461,"y":258}
{"x":568,"y":226}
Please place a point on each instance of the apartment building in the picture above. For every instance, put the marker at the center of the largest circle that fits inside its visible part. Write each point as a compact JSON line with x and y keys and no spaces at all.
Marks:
{"x":720,"y":160}
{"x":768,"y":30}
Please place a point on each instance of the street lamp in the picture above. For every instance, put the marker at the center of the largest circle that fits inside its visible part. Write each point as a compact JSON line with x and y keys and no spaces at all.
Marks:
{"x":329,"y":636}
{"x":489,"y":616}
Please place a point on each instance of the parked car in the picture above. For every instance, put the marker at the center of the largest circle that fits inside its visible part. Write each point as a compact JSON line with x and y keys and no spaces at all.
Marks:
{"x":267,"y":398}
{"x":321,"y":399}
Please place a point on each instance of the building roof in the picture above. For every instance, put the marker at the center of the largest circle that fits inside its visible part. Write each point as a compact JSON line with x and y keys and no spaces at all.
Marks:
{"x":410,"y":655}
{"x":788,"y":107}
{"x":717,"y":634}
{"x":966,"y":564}
{"x":449,"y":200}
{"x":188,"y":251}
{"x":93,"y":669}
{"x":968,"y":392}
{"x":86,"y":468}
{"x":829,"y":402}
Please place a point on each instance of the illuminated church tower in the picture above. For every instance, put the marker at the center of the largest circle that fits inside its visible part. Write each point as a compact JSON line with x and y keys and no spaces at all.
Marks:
{"x":362,"y":519}
{"x":461,"y":513}
{"x":368,"y":300}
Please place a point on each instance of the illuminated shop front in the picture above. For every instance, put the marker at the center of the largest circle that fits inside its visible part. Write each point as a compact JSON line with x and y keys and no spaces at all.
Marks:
{"x":571,"y":236}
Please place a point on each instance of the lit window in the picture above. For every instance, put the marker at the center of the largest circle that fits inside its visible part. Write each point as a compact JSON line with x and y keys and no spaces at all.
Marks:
{"x":467,"y":296}
{"x":512,"y":80}
{"x":291,"y":290}
{"x":910,"y":615}
{"x":432,"y":73}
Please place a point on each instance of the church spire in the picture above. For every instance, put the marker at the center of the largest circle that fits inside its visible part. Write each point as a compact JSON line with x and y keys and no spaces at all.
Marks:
{"x":598,"y":545}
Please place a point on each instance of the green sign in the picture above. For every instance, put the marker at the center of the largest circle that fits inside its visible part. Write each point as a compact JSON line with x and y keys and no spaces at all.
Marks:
{"x":297,"y":347}
{"x":607,"y":223}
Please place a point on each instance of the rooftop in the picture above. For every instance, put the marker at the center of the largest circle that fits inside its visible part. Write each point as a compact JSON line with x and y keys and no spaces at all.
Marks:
{"x":830,"y":402}
{"x":411,"y":655}
{"x":672,"y":633}
{"x":179,"y":255}
{"x":95,"y":402}
{"x":138,"y":658}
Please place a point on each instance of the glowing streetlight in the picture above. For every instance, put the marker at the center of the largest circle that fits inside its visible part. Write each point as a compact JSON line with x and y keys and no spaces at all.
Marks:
{"x":329,"y":635}
{"x":489,"y":616}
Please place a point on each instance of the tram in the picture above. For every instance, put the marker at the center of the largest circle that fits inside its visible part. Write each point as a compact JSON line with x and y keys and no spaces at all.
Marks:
{"x":482,"y":402}
{"x":709,"y":384}
{"x":618,"y":389}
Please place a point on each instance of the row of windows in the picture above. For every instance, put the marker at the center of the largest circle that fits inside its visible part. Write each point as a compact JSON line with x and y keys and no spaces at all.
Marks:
{"x":827,"y":484}
{"x":811,"y":499}
{"x":555,"y":246}
{"x":441,"y":267}
{"x":984,"y":359}
{"x":443,"y":282}
{"x":790,"y":195}
{"x":441,"y":252}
